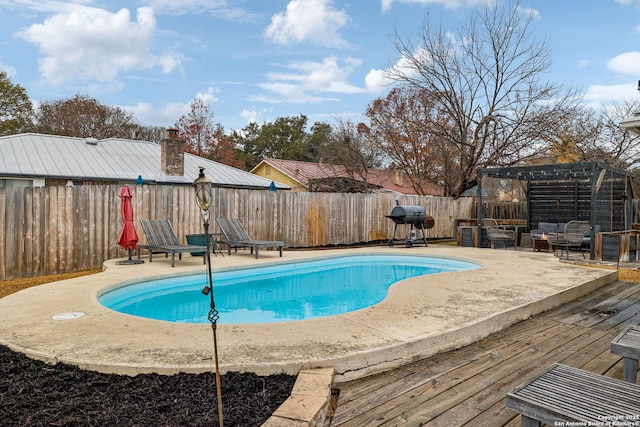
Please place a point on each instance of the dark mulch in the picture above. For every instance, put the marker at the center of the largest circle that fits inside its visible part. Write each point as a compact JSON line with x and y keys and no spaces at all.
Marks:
{"x":33,"y":393}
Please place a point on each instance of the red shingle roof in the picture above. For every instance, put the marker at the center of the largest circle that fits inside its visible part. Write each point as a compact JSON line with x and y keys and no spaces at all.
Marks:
{"x":306,"y":171}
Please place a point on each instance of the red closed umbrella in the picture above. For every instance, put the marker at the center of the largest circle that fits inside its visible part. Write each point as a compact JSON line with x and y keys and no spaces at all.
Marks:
{"x":128,"y":238}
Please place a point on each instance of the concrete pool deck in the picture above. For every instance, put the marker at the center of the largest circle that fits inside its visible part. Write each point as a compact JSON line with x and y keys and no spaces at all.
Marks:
{"x":420,"y":317}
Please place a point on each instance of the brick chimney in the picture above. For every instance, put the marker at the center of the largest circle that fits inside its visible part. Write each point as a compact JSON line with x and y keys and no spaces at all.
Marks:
{"x":399,"y":177}
{"x":172,"y":154}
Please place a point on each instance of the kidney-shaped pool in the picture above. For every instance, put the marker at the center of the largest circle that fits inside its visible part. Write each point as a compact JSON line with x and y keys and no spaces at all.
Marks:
{"x":277,"y":293}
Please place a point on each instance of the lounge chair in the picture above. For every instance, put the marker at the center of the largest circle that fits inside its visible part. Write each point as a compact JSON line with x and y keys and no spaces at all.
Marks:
{"x":162,"y":239}
{"x":573,"y":237}
{"x":498,"y":233}
{"x":237,"y":237}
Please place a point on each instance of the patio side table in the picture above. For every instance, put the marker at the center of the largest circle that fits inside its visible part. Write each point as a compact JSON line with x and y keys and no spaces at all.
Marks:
{"x":627,"y":345}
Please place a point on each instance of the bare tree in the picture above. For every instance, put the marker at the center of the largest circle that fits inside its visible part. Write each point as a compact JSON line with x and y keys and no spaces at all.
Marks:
{"x":400,"y":124}
{"x":205,"y":138}
{"x":352,"y":153}
{"x":492,"y":106}
{"x":83,"y":117}
{"x":196,"y":128}
{"x":569,"y":139}
{"x":146,"y":133}
{"x":614,"y":144}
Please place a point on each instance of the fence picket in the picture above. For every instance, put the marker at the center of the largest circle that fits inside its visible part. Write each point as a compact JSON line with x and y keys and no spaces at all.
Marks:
{"x":51,"y":230}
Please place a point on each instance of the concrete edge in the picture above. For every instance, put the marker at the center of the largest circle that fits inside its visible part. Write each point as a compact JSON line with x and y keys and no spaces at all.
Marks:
{"x":382,"y":359}
{"x":310,"y":403}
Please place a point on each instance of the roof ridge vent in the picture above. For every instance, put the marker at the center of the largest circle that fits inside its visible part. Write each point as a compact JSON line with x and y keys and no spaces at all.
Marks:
{"x":91,"y":141}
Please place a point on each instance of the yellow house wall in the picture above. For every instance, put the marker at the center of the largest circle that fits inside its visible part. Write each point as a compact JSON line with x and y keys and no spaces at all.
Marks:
{"x":275,"y":175}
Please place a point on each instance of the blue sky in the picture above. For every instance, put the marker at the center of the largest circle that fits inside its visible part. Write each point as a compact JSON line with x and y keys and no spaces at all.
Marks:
{"x":256,"y":60}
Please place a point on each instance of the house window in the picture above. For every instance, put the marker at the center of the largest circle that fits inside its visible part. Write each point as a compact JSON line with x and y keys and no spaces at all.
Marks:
{"x":267,"y":170}
{"x":11,"y":183}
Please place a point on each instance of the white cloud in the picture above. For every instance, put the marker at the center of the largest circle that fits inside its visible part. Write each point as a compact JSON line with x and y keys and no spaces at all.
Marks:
{"x":165,"y":116}
{"x":290,"y":93}
{"x":209,"y":96}
{"x":251,"y":116}
{"x":529,"y":12}
{"x":255,"y":116}
{"x":11,"y":71}
{"x":602,"y":94}
{"x":217,"y":8}
{"x":184,"y":7}
{"x":376,"y":81}
{"x":94,"y":45}
{"x":625,"y":63}
{"x":583,"y":63}
{"x":447,"y":4}
{"x":308,"y":21}
{"x":304,"y":80}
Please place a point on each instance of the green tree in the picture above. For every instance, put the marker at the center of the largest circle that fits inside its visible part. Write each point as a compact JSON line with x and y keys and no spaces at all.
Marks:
{"x":16,"y":110}
{"x":318,"y":140}
{"x":286,"y":138}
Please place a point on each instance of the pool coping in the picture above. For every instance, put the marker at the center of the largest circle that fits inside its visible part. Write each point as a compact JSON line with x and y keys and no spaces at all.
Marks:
{"x":420,"y":317}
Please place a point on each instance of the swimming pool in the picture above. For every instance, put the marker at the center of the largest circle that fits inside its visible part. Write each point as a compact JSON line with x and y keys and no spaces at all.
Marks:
{"x":277,"y":293}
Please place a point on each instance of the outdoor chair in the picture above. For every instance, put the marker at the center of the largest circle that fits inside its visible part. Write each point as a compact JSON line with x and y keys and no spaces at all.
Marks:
{"x":162,"y":239}
{"x":237,"y":237}
{"x":574,"y":237}
{"x":498,"y":233}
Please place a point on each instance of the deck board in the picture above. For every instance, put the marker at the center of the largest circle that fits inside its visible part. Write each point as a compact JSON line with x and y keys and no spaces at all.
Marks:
{"x":468,"y":386}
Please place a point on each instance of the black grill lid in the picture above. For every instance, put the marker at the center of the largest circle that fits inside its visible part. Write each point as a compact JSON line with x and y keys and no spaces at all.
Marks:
{"x":407,"y":214}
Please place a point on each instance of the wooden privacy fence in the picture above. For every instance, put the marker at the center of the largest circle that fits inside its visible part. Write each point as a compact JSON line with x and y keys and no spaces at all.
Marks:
{"x":51,"y":230}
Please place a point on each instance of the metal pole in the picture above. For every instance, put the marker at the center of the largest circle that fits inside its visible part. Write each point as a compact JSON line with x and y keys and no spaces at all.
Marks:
{"x":213,"y":318}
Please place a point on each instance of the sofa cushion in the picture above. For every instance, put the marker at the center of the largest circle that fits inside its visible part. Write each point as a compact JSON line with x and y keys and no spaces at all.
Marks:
{"x":546,"y":228}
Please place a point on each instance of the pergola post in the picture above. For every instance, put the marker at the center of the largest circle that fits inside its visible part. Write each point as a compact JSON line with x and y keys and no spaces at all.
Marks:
{"x":479,"y":208}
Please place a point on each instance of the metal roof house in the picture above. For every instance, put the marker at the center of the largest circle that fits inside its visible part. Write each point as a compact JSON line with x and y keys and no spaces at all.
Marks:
{"x":47,"y":160}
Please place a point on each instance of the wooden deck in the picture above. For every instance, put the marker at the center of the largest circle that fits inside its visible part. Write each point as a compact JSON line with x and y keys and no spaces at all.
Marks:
{"x":467,"y":387}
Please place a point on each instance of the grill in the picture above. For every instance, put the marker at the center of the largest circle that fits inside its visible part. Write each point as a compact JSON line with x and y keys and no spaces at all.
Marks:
{"x":413,"y":218}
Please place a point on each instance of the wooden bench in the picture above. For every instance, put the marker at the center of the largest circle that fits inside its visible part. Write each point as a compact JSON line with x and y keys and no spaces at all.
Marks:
{"x":627,"y":345}
{"x":563,"y":395}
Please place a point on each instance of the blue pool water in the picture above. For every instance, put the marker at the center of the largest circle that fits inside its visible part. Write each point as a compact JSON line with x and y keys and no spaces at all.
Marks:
{"x":278,"y":293}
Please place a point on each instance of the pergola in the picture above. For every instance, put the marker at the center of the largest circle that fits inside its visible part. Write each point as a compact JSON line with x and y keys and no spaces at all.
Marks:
{"x":583,"y":191}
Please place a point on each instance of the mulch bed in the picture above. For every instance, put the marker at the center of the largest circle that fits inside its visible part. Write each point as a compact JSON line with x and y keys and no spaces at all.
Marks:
{"x":33,"y":393}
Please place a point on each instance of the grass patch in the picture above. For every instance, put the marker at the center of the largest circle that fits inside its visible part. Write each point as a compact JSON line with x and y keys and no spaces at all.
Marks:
{"x":7,"y":287}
